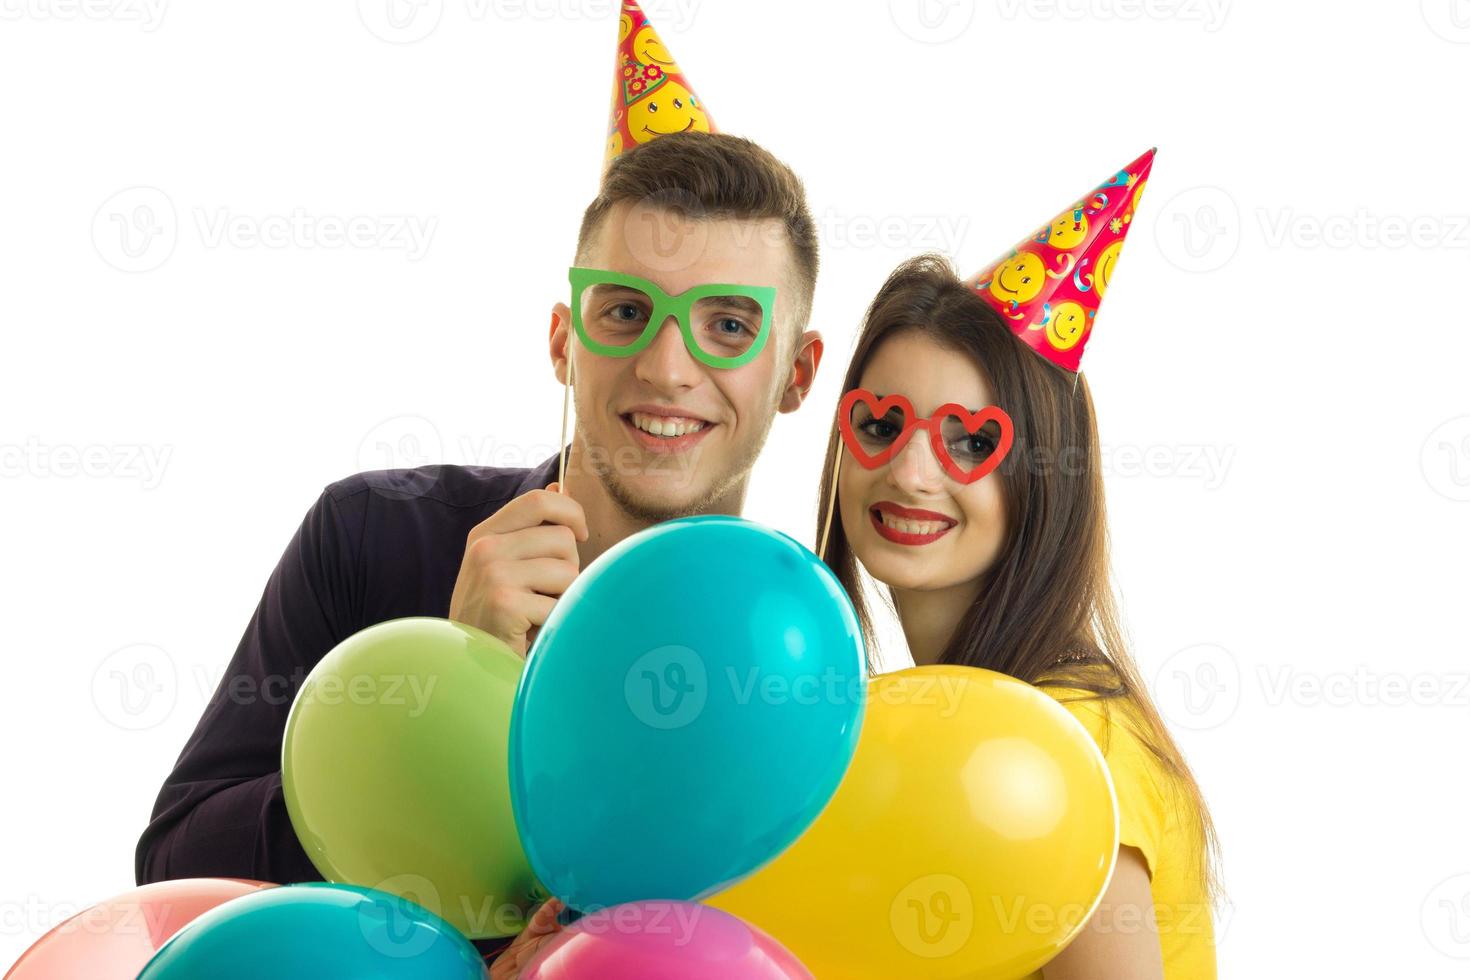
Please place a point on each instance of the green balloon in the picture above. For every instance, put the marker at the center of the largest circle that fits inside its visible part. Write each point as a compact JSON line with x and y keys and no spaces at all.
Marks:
{"x":394,"y":769}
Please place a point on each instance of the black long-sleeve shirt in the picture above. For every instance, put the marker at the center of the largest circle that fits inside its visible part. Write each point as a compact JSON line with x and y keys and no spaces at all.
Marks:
{"x":373,"y":547}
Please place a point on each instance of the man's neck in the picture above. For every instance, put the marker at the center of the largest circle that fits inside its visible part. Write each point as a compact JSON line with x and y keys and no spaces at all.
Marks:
{"x":608,"y":523}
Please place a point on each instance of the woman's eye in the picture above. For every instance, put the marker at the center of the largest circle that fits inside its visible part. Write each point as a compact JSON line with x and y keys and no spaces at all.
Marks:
{"x":880,"y":429}
{"x":975,"y":447}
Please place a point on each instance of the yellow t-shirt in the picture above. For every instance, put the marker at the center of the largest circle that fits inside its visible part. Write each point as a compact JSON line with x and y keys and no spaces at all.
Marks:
{"x":1159,"y":819}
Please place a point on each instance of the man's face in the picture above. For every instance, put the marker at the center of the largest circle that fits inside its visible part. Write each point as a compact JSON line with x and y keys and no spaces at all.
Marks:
{"x":668,"y":435}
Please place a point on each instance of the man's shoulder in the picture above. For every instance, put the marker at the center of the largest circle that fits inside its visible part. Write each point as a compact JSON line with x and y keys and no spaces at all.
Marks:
{"x":442,"y":485}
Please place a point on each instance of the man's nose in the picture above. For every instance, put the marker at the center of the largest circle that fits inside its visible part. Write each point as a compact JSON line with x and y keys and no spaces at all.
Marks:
{"x":665,"y":363}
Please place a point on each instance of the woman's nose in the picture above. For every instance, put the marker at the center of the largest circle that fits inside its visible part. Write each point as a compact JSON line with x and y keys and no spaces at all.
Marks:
{"x":914,"y":467}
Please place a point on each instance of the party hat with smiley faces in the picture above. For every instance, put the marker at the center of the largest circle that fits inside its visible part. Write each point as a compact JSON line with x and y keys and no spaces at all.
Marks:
{"x":651,"y":96}
{"x":1049,"y":286}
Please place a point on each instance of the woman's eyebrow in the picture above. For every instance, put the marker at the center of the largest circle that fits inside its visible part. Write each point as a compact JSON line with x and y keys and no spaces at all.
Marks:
{"x":880,"y":395}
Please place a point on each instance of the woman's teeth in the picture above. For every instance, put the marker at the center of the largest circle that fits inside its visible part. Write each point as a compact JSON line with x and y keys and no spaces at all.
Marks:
{"x":668,"y":426}
{"x":911,"y":527}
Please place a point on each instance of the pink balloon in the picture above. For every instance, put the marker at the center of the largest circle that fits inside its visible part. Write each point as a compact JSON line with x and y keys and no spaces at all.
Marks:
{"x":663,"y":940}
{"x":113,"y":940}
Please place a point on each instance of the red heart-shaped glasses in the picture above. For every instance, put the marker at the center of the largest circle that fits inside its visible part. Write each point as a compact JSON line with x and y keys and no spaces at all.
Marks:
{"x":949,"y":423}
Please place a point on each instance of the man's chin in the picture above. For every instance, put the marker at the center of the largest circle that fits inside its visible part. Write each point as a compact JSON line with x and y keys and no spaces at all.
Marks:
{"x":659,"y":497}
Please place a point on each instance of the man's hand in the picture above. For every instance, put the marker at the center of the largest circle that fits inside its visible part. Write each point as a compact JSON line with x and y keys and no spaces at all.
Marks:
{"x":523,"y":948}
{"x":516,"y":563}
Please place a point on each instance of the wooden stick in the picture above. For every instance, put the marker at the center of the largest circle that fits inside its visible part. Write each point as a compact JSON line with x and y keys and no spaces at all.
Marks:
{"x":831,"y":503}
{"x":566,"y":397}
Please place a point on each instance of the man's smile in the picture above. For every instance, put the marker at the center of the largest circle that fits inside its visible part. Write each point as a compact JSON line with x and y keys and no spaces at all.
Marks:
{"x":665,"y":429}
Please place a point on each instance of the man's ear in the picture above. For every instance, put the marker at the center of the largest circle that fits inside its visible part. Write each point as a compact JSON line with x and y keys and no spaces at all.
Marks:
{"x":561,"y":326}
{"x":803,"y":371}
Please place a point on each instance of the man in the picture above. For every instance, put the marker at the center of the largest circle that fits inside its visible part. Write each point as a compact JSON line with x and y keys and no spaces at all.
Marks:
{"x":660,"y":433}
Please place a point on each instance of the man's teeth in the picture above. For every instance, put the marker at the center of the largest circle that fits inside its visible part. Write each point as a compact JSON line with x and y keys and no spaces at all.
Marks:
{"x":667,"y":426}
{"x":911,"y":527}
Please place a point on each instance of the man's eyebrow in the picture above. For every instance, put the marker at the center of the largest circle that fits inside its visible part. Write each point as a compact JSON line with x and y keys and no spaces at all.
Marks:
{"x":742,"y":302}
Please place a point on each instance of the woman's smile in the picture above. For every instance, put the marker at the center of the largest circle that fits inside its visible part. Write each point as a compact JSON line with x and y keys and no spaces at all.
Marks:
{"x":908,"y":525}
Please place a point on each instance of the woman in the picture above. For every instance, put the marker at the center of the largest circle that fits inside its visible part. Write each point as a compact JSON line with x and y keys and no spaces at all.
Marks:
{"x":1008,"y":571}
{"x":993,"y":550}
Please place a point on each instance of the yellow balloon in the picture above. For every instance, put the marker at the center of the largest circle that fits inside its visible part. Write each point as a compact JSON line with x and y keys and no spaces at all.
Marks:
{"x":973,"y":835}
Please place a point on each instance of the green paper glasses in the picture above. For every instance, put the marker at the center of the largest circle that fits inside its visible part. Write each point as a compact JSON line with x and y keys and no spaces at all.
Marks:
{"x":723,"y":325}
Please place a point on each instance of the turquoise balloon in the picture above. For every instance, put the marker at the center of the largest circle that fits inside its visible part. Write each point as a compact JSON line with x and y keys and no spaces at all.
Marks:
{"x":317,"y":931}
{"x":687,"y":710}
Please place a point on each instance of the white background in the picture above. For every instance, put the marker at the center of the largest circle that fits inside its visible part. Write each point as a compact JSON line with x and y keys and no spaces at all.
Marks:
{"x":1279,"y":372}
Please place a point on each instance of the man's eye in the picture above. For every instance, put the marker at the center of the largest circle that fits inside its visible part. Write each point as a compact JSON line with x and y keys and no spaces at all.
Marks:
{"x":626,"y":311}
{"x":730,"y":326}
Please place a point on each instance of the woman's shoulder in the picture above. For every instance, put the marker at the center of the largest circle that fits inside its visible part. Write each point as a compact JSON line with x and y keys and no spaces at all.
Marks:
{"x":1146,"y":793}
{"x":1093,"y":694}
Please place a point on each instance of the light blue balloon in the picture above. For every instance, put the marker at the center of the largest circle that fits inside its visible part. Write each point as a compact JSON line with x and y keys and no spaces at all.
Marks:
{"x":317,"y":931}
{"x":687,"y":710}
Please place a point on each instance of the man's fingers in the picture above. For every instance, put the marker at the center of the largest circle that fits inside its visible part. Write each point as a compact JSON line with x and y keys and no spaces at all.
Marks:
{"x":543,"y":541}
{"x":548,"y":576}
{"x":544,"y":921}
{"x":534,"y":608}
{"x":535,"y":508}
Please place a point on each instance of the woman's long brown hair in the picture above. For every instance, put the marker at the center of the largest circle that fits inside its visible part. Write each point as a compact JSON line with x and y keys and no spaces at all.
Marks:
{"x":1045,"y":612}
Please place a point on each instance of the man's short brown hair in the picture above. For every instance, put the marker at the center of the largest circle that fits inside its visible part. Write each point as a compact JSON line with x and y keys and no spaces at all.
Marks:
{"x":712,"y":176}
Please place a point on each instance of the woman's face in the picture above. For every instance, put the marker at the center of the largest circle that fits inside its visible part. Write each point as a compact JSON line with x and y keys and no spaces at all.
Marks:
{"x":909,"y":522}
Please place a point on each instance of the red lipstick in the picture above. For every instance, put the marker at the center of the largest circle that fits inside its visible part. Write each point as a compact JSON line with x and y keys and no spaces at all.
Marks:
{"x":909,"y":514}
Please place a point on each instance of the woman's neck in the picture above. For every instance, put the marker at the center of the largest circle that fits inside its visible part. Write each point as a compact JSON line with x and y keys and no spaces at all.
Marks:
{"x":930,"y":617}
